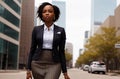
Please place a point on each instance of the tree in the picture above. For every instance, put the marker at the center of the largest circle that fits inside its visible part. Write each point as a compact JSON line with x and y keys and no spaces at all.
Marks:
{"x":101,"y":46}
{"x":68,"y":59}
{"x":68,"y":56}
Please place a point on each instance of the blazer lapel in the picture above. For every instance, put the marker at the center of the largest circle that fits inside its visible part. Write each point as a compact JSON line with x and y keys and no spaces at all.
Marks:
{"x":41,"y":30}
{"x":54,"y":36}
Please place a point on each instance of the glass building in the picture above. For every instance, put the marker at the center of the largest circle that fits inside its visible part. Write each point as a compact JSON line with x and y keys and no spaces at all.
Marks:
{"x":101,"y":9}
{"x":10,"y":17}
{"x":62,"y":6}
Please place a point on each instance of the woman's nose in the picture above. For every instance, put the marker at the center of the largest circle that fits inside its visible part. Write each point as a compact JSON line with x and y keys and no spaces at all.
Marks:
{"x":47,"y":13}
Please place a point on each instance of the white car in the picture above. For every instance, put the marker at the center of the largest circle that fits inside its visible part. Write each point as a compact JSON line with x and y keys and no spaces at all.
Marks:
{"x":97,"y":66}
{"x":85,"y":67}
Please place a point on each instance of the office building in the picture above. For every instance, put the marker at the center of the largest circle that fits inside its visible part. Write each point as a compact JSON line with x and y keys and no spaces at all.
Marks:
{"x":10,"y":22}
{"x":101,"y":9}
{"x":86,"y":37}
{"x":62,"y":6}
{"x":117,"y":20}
{"x":27,"y":24}
{"x":69,"y":49}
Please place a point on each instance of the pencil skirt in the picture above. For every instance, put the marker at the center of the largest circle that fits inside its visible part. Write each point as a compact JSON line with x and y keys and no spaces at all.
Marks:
{"x":45,"y":67}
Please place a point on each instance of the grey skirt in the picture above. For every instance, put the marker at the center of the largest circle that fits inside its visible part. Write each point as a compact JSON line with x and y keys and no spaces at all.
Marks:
{"x":45,"y":67}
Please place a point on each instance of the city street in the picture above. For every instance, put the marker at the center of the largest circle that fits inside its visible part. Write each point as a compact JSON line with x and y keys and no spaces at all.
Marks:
{"x":80,"y":74}
{"x":73,"y":73}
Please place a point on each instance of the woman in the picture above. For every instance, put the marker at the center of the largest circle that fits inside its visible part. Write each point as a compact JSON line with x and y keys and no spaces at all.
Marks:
{"x":47,"y":57}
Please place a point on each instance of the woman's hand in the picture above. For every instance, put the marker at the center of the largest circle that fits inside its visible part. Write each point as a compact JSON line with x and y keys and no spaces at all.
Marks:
{"x":28,"y":75}
{"x":66,"y":76}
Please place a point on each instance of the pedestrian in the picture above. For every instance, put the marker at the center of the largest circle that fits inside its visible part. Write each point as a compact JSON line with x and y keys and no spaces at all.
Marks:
{"x":47,"y":58}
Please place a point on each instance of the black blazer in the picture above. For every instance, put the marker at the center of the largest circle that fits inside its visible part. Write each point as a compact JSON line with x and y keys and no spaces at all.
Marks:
{"x":59,"y":40}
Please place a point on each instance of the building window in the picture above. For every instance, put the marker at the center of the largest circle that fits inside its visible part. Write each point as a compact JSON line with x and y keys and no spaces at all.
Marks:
{"x":8,"y":55}
{"x":8,"y":16}
{"x":13,"y":5}
{"x":20,"y":1}
{"x":8,"y":31}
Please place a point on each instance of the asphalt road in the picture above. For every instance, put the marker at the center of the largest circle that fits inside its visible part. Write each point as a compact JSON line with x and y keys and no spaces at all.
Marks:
{"x":80,"y":74}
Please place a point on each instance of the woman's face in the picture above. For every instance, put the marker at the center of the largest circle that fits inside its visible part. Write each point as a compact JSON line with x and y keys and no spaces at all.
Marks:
{"x":48,"y":13}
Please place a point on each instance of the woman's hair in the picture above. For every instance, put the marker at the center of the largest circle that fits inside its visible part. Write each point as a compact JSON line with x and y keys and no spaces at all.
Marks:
{"x":56,"y":11}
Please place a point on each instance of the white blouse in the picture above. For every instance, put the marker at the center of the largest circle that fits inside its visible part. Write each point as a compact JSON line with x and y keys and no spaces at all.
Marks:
{"x":48,"y":37}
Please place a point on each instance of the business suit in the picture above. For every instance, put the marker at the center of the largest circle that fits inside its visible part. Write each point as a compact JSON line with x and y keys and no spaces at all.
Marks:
{"x":59,"y":38}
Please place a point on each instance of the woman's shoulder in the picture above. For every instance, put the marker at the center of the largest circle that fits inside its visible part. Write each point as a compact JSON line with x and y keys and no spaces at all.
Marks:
{"x":59,"y":27}
{"x":38,"y":27}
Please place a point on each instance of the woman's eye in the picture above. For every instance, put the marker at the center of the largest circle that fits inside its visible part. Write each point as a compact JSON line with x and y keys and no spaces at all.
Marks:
{"x":50,"y":11}
{"x":43,"y":11}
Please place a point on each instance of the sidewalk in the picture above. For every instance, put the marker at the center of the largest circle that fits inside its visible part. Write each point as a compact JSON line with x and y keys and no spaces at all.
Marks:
{"x":15,"y":74}
{"x":114,"y":73}
{"x":12,"y":74}
{"x":21,"y":74}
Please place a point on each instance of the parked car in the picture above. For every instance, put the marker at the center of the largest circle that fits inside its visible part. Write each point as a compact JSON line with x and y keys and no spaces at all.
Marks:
{"x":98,"y":67}
{"x":85,"y":67}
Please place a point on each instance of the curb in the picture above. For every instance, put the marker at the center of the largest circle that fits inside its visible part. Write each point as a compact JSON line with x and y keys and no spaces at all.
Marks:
{"x":10,"y":71}
{"x":113,"y":74}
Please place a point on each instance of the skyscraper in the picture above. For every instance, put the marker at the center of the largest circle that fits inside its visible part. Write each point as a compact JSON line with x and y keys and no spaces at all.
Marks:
{"x":10,"y":18}
{"x":86,"y":37}
{"x":62,"y":6}
{"x":101,"y":9}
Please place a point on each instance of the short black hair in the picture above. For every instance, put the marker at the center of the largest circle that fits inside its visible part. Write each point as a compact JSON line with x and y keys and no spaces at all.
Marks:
{"x":56,"y":10}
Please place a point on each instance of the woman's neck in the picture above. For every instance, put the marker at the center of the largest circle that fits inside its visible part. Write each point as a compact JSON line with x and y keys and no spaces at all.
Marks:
{"x":48,"y":24}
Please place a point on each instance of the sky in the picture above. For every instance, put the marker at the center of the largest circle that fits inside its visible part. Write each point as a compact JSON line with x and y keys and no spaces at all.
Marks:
{"x":78,"y":18}
{"x":77,"y":22}
{"x":118,"y":2}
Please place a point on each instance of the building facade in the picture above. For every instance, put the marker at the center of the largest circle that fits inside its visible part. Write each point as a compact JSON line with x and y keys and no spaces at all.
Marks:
{"x":69,"y":49}
{"x":86,"y":37}
{"x":62,"y":6}
{"x":117,"y":19}
{"x":10,"y":22}
{"x":100,"y":10}
{"x":27,"y":24}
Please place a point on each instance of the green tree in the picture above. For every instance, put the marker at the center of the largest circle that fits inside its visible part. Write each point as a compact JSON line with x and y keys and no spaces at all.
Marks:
{"x":68,"y":56}
{"x":101,"y":46}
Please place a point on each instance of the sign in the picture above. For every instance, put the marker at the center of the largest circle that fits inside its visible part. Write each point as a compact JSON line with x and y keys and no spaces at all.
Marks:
{"x":117,"y":45}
